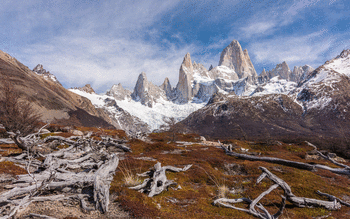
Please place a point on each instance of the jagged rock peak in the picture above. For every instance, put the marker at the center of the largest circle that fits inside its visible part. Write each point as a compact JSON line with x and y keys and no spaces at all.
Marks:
{"x":235,"y":58}
{"x":140,"y":86}
{"x":87,"y":89}
{"x":166,"y":84}
{"x":118,"y":92}
{"x":184,"y":86}
{"x":345,"y":53}
{"x":187,"y":61}
{"x":146,"y":92}
{"x":281,"y":70}
{"x":263,"y":73}
{"x":300,"y":73}
{"x":39,"y":69}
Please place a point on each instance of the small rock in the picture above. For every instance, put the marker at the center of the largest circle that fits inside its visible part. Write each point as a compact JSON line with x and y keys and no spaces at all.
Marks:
{"x":66,"y":189}
{"x":77,"y":132}
{"x":44,"y":131}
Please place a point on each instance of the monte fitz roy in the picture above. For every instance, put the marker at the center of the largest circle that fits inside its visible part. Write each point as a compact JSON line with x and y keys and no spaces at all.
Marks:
{"x":229,"y":100}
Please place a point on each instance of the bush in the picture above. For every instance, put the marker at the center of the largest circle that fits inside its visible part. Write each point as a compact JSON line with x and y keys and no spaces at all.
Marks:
{"x":16,"y":115}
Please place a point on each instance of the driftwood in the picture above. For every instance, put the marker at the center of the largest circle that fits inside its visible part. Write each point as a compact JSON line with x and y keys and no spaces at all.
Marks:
{"x":84,"y":166}
{"x":345,"y":170}
{"x":157,"y":181}
{"x":334,"y":204}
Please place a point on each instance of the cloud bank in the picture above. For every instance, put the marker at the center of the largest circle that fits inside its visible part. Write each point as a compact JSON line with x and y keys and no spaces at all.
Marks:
{"x":109,"y":42}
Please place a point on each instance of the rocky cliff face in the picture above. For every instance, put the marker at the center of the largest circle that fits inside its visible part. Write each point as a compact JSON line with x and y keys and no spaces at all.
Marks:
{"x":235,"y":58}
{"x":87,"y":88}
{"x":166,"y":87}
{"x":184,"y":86}
{"x":39,"y":69}
{"x":146,"y":92}
{"x":263,"y":77}
{"x":282,"y":70}
{"x":119,"y":93}
{"x":300,"y":73}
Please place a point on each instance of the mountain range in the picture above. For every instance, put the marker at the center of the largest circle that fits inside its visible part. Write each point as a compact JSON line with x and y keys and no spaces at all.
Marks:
{"x":235,"y":74}
{"x":229,"y":100}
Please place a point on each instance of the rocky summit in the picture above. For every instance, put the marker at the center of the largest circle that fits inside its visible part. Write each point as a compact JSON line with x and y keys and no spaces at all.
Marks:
{"x":39,"y":69}
{"x":235,"y":58}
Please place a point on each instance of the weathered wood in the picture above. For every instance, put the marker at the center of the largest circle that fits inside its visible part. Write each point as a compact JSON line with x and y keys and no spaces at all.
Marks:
{"x":264,"y":214}
{"x":157,"y":181}
{"x":40,"y":216}
{"x":299,"y":165}
{"x":333,"y":204}
{"x":6,"y":141}
{"x":298,"y":201}
{"x":93,"y":167}
{"x":332,"y":198}
{"x":102,"y":180}
{"x":284,"y":162}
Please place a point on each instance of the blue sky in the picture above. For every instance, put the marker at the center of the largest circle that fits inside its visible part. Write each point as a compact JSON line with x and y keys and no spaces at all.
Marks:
{"x":108,"y":42}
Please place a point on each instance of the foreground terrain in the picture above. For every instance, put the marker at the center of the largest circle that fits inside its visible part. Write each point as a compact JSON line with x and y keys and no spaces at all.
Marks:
{"x":213,"y":175}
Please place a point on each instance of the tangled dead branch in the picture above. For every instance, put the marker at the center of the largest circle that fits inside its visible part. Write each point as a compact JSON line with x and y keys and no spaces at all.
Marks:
{"x":254,"y":205}
{"x":157,"y":181}
{"x":344,"y":170}
{"x":82,"y":171}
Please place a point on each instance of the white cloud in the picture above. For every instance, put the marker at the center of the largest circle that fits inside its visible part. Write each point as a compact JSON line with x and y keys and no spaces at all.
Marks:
{"x":302,"y":49}
{"x":105,"y":61}
{"x":299,"y":5}
{"x":101,"y":43}
{"x":259,"y":27}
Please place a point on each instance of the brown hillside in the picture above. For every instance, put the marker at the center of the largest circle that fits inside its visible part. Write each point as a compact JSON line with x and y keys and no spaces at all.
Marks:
{"x":51,"y":99}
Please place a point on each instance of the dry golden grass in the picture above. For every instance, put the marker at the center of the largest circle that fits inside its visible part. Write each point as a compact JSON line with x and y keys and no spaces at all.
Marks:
{"x":129,"y":177}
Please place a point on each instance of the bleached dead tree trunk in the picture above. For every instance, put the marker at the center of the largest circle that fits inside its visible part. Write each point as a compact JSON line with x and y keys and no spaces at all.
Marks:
{"x":255,"y":206}
{"x":345,"y":170}
{"x":85,"y":164}
{"x":157,"y":181}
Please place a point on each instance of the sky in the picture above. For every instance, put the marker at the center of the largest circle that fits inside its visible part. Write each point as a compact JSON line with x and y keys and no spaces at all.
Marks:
{"x":108,"y":42}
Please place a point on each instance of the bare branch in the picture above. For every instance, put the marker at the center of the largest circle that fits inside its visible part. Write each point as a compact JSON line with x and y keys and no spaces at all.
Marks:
{"x":157,"y":181}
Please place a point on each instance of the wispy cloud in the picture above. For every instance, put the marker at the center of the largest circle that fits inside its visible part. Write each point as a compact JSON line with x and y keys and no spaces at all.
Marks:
{"x":106,"y":61}
{"x":259,"y":27}
{"x":307,"y":49}
{"x":299,"y":5}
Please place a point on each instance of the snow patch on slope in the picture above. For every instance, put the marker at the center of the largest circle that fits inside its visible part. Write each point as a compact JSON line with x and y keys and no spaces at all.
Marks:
{"x":276,"y":86}
{"x":341,"y":65}
{"x":152,"y":116}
